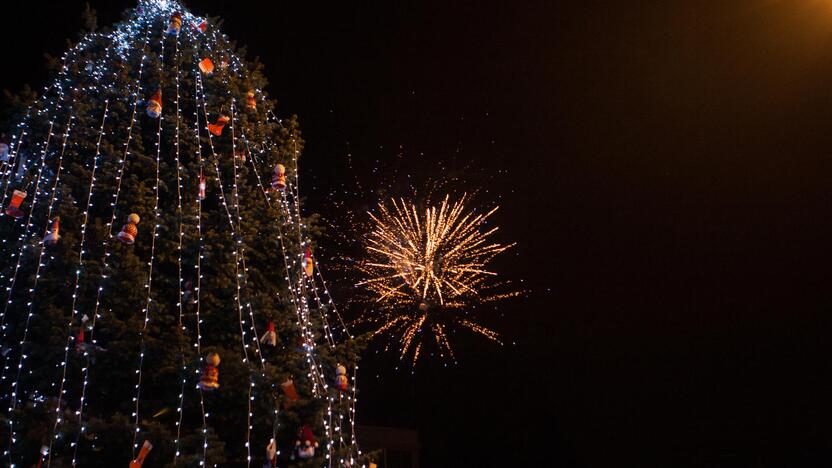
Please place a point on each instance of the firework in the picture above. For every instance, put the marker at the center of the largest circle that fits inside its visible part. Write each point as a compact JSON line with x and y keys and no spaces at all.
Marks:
{"x":425,"y":269}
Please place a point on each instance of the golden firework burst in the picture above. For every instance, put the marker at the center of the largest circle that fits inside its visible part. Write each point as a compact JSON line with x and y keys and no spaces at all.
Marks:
{"x":426,"y":268}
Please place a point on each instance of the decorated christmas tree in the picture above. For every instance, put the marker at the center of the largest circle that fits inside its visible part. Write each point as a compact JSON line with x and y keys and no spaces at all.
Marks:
{"x":163,"y":302}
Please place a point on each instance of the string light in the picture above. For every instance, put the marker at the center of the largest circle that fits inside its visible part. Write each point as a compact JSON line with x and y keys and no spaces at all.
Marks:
{"x":180,"y":228}
{"x":21,"y":346}
{"x":106,"y":254}
{"x":198,"y":288}
{"x":149,"y":283}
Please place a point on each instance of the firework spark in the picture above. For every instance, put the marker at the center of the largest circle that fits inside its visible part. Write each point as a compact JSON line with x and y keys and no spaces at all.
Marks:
{"x":426,"y":268}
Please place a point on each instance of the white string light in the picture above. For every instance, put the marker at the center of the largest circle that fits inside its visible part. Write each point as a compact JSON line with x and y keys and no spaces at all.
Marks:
{"x":105,"y":264}
{"x":149,"y":283}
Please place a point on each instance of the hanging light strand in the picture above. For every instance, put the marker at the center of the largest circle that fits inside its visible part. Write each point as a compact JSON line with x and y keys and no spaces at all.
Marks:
{"x":149,"y":282}
{"x":105,"y":266}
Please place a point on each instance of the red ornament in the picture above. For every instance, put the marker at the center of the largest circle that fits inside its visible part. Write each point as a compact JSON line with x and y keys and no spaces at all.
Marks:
{"x":290,"y":392}
{"x":201,"y":27}
{"x":13,"y":209}
{"x":146,"y":447}
{"x":154,"y":106}
{"x":129,"y":231}
{"x":251,"y":103}
{"x":270,"y":337}
{"x":279,"y":178}
{"x":210,"y":379}
{"x":80,"y":344}
{"x":306,"y":443}
{"x":216,"y":127}
{"x":206,"y":66}
{"x":53,"y":235}
{"x":308,"y":264}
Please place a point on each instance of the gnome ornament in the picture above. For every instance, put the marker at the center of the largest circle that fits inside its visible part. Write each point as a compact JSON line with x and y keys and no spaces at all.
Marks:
{"x":341,"y":382}
{"x":202,"y":186}
{"x":206,"y":66}
{"x":306,"y":443}
{"x":154,"y":106}
{"x":129,"y":231}
{"x":13,"y":209}
{"x":146,"y":447}
{"x":52,"y":236}
{"x":270,"y":337}
{"x":188,"y":293}
{"x":175,"y":24}
{"x":210,"y":379}
{"x":308,"y":264}
{"x":216,"y":127}
{"x":250,"y":102}
{"x":279,"y":178}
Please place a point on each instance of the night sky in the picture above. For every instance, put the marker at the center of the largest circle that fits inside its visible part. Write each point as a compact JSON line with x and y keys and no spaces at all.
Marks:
{"x":665,"y":168}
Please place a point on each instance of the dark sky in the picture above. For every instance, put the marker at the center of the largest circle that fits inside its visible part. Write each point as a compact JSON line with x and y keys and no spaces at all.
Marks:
{"x":668,"y":184}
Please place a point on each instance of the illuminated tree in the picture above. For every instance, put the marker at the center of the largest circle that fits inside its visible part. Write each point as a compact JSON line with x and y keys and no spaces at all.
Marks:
{"x":107,"y":325}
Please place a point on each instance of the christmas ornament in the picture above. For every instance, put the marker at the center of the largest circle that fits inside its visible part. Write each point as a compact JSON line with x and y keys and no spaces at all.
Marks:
{"x":146,"y":447}
{"x":308,"y":264}
{"x":290,"y":392}
{"x":250,"y":102}
{"x":210,"y":379}
{"x":206,"y":66}
{"x":341,"y":382}
{"x":175,"y":24}
{"x":129,"y":231}
{"x":216,"y":127}
{"x":4,"y":152}
{"x":53,"y":235}
{"x":188,"y":293}
{"x":241,"y":154}
{"x":372,"y":465}
{"x":13,"y":209}
{"x":202,"y":26}
{"x":80,"y":344}
{"x":279,"y":177}
{"x":306,"y":443}
{"x":271,"y":455}
{"x":270,"y":337}
{"x":154,"y":106}
{"x":202,"y":186}
{"x":224,"y":62}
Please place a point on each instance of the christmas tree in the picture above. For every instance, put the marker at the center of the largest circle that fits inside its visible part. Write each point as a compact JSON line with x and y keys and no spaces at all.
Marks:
{"x":163,"y":302}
